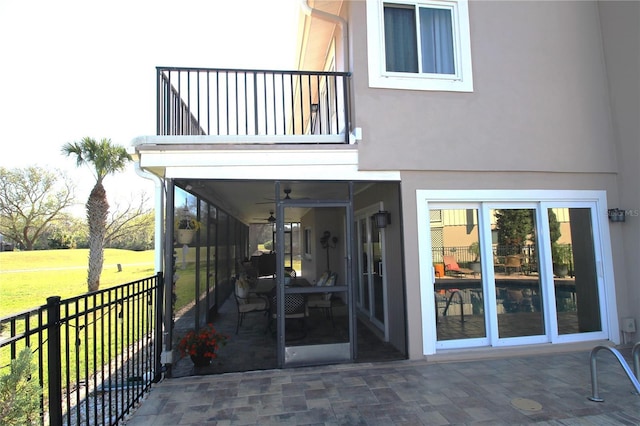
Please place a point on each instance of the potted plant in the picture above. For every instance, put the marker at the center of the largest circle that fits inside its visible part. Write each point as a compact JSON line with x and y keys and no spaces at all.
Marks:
{"x":474,"y":249}
{"x":186,"y":228}
{"x":202,"y":345}
{"x":561,"y":254}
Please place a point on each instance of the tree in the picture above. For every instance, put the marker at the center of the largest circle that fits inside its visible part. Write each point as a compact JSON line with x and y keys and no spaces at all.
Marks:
{"x":515,"y":227}
{"x":104,"y":158}
{"x":131,"y":227}
{"x":31,"y":200}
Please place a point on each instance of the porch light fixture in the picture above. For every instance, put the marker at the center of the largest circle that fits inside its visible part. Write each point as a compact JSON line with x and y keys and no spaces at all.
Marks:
{"x":616,"y":215}
{"x":382,"y":219}
{"x":314,"y":108}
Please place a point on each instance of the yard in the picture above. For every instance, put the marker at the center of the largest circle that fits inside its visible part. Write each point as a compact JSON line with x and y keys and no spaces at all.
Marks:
{"x":28,"y":278}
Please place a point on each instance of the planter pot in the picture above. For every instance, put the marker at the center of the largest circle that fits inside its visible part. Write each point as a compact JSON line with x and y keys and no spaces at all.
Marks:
{"x":185,"y":236}
{"x":475,"y":267}
{"x":200,"y":361}
{"x":561,"y":270}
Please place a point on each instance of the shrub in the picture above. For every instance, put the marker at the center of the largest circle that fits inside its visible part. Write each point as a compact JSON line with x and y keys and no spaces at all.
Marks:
{"x":20,"y":393}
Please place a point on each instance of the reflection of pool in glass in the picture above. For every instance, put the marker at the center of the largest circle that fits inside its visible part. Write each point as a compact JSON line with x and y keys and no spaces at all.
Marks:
{"x":518,"y":305}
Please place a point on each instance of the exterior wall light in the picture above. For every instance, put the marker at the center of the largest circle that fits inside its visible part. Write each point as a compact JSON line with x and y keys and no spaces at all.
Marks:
{"x":616,"y":215}
{"x":382,"y":219}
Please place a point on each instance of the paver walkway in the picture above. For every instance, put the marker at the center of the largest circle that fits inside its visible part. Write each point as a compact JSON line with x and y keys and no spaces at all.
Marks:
{"x":543,"y":389}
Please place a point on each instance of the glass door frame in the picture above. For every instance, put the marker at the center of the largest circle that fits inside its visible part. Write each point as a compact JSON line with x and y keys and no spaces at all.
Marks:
{"x":365,"y":214}
{"x":302,"y":355}
{"x":542,"y":199}
{"x":542,"y":237}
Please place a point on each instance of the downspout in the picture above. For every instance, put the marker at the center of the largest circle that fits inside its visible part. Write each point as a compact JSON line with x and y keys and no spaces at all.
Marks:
{"x":326,"y":16}
{"x":159,"y":215}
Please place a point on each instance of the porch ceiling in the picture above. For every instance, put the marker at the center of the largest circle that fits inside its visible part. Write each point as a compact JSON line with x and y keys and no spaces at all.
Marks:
{"x":241,"y":180}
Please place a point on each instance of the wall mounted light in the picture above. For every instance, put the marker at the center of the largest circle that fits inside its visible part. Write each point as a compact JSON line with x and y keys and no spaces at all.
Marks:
{"x":616,"y":215}
{"x":381,"y":219}
{"x":314,"y":108}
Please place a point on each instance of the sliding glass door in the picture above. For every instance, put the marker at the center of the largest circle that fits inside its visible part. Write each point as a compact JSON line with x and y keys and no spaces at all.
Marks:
{"x":519,"y":304}
{"x":514,"y":273}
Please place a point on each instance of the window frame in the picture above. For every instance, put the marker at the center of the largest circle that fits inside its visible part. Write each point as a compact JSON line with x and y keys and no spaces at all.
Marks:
{"x":379,"y":77}
{"x":542,"y":200}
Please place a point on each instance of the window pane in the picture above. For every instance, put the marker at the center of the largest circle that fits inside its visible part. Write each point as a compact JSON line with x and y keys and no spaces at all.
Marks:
{"x":459,"y":296}
{"x":574,"y":269}
{"x":436,"y":36}
{"x":517,"y":282}
{"x":401,"y":45}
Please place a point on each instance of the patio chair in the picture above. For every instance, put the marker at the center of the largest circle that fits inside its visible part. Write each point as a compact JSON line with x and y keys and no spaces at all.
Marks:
{"x":323,"y":301}
{"x":248,"y":302}
{"x":514,"y":262}
{"x":451,"y":267}
{"x":295,"y":307}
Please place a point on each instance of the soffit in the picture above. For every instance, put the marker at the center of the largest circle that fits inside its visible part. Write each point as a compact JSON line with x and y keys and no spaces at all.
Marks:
{"x":240,"y":180}
{"x":315,"y":36}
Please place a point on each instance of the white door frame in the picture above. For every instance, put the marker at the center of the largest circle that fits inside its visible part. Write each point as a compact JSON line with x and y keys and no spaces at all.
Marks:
{"x":366,"y":214}
{"x":543,"y":199}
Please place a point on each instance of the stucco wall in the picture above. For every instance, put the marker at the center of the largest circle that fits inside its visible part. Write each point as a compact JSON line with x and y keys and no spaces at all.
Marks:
{"x":412,"y":181}
{"x":540,"y":100}
{"x":620,"y":22}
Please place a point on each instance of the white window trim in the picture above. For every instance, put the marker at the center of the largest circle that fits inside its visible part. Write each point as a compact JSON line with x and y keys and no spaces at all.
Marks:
{"x":547,"y":199}
{"x":462,"y":81}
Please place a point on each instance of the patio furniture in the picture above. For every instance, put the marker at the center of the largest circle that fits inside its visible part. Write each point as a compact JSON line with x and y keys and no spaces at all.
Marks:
{"x":451,"y":266}
{"x":248,"y":301}
{"x":323,"y":301}
{"x":514,"y":262}
{"x":265,"y":264}
{"x":295,"y":307}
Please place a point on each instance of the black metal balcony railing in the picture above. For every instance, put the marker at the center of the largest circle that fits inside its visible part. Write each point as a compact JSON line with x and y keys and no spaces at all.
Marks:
{"x":228,"y":102}
{"x":95,"y":355}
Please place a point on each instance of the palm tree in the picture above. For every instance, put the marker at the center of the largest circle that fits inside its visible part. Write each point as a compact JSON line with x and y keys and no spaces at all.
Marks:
{"x":104,"y":158}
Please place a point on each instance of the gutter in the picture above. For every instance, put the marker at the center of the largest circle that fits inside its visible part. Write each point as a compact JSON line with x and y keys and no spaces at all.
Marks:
{"x":326,"y":16}
{"x":159,"y":216}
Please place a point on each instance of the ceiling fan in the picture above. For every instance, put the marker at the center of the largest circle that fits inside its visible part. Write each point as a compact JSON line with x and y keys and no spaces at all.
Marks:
{"x":270,"y":219}
{"x":286,"y":191}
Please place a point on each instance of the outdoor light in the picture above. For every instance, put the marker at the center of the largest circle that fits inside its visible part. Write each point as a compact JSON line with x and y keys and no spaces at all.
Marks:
{"x":616,"y":215}
{"x":314,"y":108}
{"x":382,"y":219}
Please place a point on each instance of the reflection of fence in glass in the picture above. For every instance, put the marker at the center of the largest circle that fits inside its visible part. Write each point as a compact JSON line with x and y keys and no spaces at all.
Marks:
{"x":251,"y":102}
{"x":466,"y":254}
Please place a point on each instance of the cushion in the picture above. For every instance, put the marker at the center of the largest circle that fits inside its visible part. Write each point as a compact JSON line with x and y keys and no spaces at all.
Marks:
{"x":253,"y":304}
{"x":242,"y":289}
{"x":323,"y":279}
{"x":331,"y":281}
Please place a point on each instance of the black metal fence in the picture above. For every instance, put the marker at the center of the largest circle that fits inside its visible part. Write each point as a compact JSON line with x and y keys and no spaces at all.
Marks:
{"x":95,"y":355}
{"x":465,"y":254}
{"x":235,"y":102}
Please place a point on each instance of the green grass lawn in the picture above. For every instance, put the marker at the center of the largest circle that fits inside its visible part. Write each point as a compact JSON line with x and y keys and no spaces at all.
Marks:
{"x":27,"y":278}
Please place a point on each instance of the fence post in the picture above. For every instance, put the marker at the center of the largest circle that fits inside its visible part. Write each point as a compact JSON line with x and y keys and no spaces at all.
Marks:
{"x":55,"y":364}
{"x":158,"y":331}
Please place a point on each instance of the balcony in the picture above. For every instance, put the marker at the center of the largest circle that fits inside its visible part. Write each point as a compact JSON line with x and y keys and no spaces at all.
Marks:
{"x":253,"y":106}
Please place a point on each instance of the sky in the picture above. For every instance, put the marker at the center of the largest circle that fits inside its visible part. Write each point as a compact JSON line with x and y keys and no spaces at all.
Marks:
{"x":76,"y":68}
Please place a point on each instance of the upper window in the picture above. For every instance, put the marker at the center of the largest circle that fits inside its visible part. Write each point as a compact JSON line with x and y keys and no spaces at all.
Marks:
{"x":419,"y":45}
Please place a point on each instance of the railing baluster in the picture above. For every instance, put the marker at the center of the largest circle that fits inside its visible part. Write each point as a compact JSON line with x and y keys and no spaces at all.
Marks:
{"x":55,"y":363}
{"x":284,"y":116}
{"x":180,"y":111}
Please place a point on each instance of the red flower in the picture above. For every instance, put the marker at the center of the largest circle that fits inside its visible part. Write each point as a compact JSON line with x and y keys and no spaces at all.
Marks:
{"x":204,"y":342}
